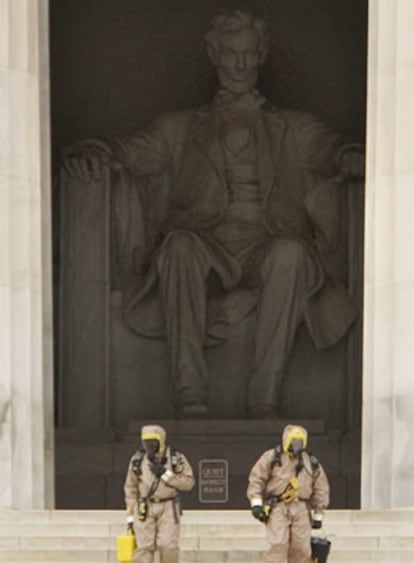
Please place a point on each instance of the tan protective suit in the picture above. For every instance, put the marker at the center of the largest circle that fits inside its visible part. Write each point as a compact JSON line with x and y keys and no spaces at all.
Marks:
{"x":290,"y":524}
{"x":161,"y":529}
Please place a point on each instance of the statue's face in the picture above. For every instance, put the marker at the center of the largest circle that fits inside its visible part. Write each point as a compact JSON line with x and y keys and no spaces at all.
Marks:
{"x":238,"y":60}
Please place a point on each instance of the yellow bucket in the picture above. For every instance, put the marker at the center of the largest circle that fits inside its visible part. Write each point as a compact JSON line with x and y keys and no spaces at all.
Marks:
{"x":126,"y":545}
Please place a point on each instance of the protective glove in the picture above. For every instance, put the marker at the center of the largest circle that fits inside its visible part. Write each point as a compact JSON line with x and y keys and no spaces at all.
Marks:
{"x":130,"y":523}
{"x":259,"y":513}
{"x":158,"y":468}
{"x":317,"y":522}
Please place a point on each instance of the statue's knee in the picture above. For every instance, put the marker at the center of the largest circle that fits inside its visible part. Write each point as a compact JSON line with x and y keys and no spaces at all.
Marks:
{"x":287,"y":253}
{"x":179,"y":253}
{"x":179,"y":242}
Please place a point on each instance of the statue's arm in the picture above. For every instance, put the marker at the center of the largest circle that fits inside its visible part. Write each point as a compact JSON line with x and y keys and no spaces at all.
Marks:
{"x":327,"y":153}
{"x":336,"y":164}
{"x":144,"y":153}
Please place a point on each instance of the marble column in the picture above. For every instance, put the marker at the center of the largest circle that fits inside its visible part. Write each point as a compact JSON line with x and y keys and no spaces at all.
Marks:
{"x":388,"y":388}
{"x":26,"y":370}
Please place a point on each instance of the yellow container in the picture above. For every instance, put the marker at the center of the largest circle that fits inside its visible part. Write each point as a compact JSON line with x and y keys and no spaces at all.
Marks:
{"x":126,"y":545}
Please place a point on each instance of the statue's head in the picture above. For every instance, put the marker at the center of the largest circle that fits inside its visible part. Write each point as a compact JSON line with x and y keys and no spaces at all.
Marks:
{"x":237,"y":45}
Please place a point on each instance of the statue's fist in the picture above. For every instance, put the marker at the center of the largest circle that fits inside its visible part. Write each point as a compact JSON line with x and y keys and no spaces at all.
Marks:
{"x":352,"y":162}
{"x":85,"y":160}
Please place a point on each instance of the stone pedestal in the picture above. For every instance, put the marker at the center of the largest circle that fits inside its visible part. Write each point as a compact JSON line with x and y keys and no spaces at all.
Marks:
{"x":26,"y":393}
{"x":91,"y":465}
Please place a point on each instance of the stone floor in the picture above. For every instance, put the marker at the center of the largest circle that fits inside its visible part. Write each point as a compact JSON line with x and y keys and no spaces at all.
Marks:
{"x":207,"y":536}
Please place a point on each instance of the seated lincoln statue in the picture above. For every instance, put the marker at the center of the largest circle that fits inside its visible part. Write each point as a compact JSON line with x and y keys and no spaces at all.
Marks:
{"x":242,"y":180}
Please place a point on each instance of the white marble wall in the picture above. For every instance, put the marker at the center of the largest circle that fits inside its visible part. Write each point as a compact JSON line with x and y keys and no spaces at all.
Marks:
{"x":26,"y":393}
{"x":388,"y":403}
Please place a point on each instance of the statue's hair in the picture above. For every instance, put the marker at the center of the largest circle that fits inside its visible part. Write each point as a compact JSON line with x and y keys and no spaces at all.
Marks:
{"x":236,"y":21}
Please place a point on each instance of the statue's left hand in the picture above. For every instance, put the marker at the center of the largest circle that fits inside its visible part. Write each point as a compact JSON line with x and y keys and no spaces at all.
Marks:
{"x":352,"y":164}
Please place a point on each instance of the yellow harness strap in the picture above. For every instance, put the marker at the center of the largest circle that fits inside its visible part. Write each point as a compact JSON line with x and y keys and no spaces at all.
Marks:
{"x":292,"y":491}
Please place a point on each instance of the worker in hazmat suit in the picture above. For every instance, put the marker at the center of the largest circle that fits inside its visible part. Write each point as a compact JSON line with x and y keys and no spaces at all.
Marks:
{"x":156,"y":475}
{"x":288,"y":490}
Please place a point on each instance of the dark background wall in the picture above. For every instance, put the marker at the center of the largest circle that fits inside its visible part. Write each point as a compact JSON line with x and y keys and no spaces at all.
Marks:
{"x":116,"y":64}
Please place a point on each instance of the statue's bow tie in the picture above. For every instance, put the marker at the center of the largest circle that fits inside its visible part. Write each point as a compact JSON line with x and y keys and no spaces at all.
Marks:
{"x":249,"y":101}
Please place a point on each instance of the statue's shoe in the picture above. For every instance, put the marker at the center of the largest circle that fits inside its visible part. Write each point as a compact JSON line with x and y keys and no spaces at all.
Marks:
{"x":262,"y":412}
{"x":198,"y":410}
{"x":191,"y":405}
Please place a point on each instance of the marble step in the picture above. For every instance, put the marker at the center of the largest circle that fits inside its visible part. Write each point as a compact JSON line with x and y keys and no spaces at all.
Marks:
{"x":195,"y":517}
{"x":200,"y":543}
{"x":79,"y":556}
{"x":214,"y":523}
{"x":207,"y":536}
{"x":210,"y":530}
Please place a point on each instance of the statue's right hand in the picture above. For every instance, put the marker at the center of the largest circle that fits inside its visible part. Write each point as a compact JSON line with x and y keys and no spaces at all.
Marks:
{"x":86,"y":159}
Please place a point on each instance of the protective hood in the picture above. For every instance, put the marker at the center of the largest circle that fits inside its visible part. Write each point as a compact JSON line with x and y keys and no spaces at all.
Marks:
{"x":154,"y":432}
{"x":293,"y":432}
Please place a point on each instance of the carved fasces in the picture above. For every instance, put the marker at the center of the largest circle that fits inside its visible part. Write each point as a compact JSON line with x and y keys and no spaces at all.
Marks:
{"x":84,"y":302}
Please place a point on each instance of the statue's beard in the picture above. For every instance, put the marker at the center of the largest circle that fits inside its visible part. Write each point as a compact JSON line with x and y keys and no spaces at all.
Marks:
{"x":237,"y":86}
